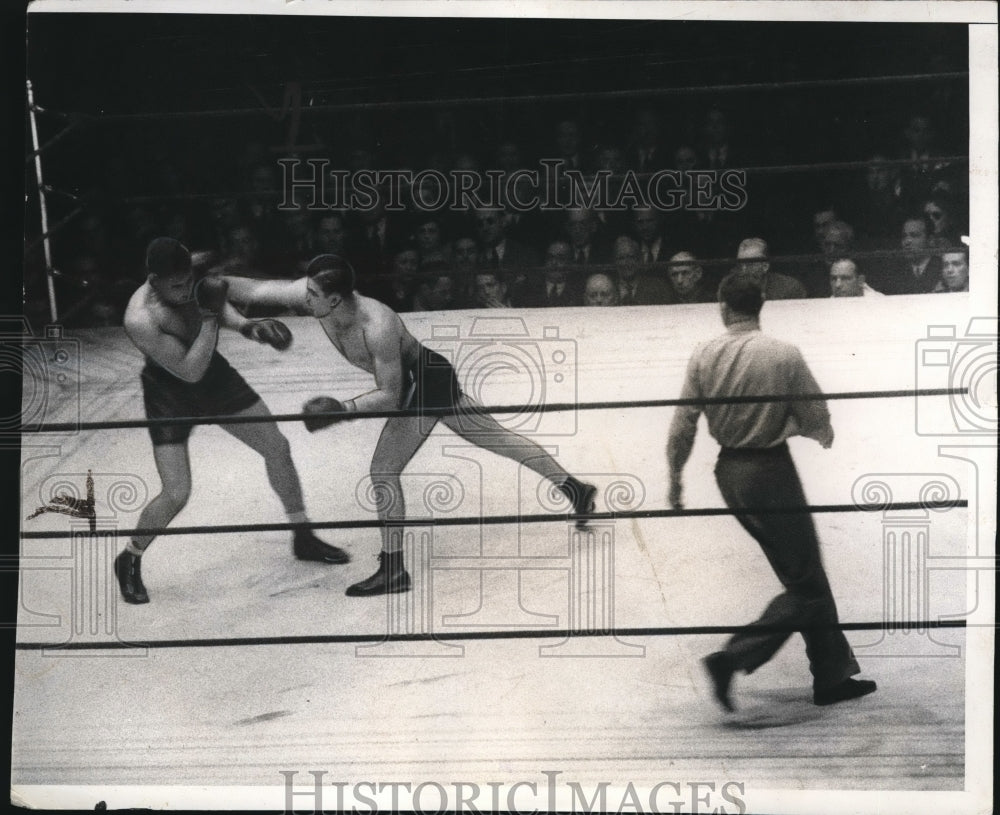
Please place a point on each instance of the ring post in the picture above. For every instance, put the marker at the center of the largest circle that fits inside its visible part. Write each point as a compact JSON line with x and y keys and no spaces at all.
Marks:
{"x":46,"y":244}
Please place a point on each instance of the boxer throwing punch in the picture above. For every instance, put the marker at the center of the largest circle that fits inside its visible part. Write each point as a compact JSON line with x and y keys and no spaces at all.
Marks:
{"x":175,"y":323}
{"x":755,"y":472}
{"x":372,"y":337}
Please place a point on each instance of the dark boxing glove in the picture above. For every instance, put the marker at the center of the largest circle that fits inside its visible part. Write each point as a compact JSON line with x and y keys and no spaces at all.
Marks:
{"x":273,"y":332}
{"x":322,"y":405}
{"x":210,"y":292}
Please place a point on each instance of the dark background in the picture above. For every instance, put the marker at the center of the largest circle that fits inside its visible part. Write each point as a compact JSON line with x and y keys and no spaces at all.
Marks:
{"x":482,"y":78}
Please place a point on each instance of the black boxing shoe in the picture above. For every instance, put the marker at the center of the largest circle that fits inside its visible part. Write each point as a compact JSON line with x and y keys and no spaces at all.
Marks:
{"x":848,"y":689}
{"x":581,"y":496}
{"x":720,"y":669}
{"x":129,"y":574}
{"x":307,"y":546}
{"x":391,"y":578}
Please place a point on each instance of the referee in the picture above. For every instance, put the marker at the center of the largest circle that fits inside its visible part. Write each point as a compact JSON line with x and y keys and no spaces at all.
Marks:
{"x":755,"y":471}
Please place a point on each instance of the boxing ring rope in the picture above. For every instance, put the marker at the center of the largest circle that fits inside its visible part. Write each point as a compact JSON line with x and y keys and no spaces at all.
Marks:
{"x":640,"y":93}
{"x":764,"y":169}
{"x":504,"y":519}
{"x":495,"y":520}
{"x":336,"y":639}
{"x":594,"y":629}
{"x":553,"y":407}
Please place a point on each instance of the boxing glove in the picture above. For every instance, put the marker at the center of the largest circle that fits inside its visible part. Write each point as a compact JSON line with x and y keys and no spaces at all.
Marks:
{"x":321,"y":411}
{"x":272,"y":332}
{"x":210,"y":293}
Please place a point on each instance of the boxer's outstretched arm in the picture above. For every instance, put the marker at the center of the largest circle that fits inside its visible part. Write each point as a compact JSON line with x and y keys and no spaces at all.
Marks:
{"x":247,"y":291}
{"x":230,"y":317}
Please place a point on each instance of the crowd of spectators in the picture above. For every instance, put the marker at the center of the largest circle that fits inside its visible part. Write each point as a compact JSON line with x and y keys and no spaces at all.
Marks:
{"x":891,"y":224}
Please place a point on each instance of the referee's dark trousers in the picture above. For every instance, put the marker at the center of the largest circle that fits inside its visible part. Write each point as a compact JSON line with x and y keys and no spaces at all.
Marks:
{"x":762,"y":478}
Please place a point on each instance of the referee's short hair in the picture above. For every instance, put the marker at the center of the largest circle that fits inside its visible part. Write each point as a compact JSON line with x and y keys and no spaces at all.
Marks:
{"x":742,"y":293}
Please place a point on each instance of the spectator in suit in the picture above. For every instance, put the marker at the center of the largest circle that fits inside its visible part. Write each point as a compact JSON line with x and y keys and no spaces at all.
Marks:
{"x":568,"y":144}
{"x":940,"y":211}
{"x":330,"y":234}
{"x":954,"y":270}
{"x":557,"y":286}
{"x":524,"y":227}
{"x":224,"y":213}
{"x":396,"y":289}
{"x":515,"y":260}
{"x":838,"y":242}
{"x":508,"y":156}
{"x":923,"y":176}
{"x":582,"y":229}
{"x":753,"y":256}
{"x":636,"y":289}
{"x":648,"y":230}
{"x":296,"y":244}
{"x":242,"y":253}
{"x":434,"y":288}
{"x":685,"y":158}
{"x":465,"y":253}
{"x":822,"y":218}
{"x":600,"y":290}
{"x":374,"y":236}
{"x":489,"y":290}
{"x":646,"y":153}
{"x":699,"y":227}
{"x":566,"y":147}
{"x":919,"y":271}
{"x":712,"y":230}
{"x":428,"y":235}
{"x":611,"y":159}
{"x":686,"y":278}
{"x":876,"y":207}
{"x":263,"y":187}
{"x":716,"y":151}
{"x":846,"y":280}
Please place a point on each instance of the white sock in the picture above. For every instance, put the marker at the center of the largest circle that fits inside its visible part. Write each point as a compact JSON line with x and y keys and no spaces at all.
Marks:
{"x":132,"y":549}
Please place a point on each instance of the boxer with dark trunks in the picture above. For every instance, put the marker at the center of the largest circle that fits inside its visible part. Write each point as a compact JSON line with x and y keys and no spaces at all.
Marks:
{"x":176,"y":325}
{"x":371,"y":336}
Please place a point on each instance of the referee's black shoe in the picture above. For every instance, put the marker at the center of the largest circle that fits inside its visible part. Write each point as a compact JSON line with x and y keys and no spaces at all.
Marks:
{"x":720,"y":670}
{"x":848,"y":689}
{"x":129,"y":574}
{"x":307,"y":546}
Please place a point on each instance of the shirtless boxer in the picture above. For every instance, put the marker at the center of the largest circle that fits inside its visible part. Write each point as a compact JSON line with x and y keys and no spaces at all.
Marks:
{"x":372,"y":337}
{"x":176,"y":325}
